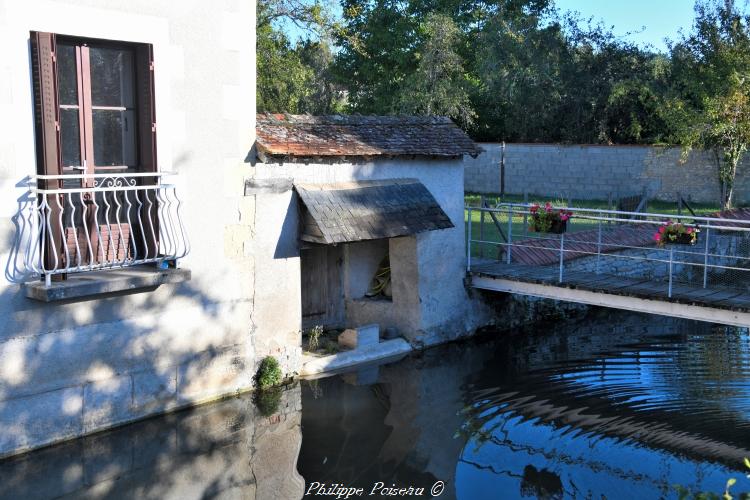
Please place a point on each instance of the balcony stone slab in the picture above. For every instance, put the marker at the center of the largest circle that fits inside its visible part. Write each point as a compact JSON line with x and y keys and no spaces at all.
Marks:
{"x":102,"y":283}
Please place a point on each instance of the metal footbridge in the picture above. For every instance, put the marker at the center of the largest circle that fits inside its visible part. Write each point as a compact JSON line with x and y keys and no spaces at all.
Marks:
{"x":611,"y":258}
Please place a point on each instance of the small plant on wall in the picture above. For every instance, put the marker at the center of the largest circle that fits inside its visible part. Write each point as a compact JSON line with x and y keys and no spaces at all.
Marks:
{"x":269,"y":373}
{"x":547,"y":219}
{"x":267,"y":379}
{"x":313,"y":338}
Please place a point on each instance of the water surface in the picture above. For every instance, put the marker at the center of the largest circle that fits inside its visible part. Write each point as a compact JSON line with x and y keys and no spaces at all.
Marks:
{"x":615,"y":405}
{"x":612,"y":405}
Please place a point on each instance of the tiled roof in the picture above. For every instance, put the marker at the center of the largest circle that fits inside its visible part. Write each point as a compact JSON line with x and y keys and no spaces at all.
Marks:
{"x":368,"y":210}
{"x":306,"y":136}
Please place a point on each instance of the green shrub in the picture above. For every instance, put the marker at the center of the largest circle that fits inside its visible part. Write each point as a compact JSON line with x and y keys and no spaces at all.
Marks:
{"x":269,"y":373}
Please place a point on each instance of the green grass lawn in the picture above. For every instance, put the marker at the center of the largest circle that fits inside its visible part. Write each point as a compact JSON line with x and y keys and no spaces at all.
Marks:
{"x":489,"y":231}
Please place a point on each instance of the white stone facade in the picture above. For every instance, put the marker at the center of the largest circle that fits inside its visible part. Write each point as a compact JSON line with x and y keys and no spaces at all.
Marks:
{"x":70,"y":368}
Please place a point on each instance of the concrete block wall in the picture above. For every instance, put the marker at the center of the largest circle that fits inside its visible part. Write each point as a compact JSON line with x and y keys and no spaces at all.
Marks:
{"x":593,"y":172}
{"x":71,"y":368}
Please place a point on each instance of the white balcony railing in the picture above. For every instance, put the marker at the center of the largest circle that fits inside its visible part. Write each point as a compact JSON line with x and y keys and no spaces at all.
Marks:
{"x":79,"y":223}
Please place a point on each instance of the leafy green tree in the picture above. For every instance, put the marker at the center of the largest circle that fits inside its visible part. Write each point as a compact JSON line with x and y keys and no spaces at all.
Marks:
{"x":438,"y":84}
{"x":374,"y":63}
{"x":324,"y":95}
{"x":294,"y":78}
{"x":282,"y":78}
{"x":711,"y":100}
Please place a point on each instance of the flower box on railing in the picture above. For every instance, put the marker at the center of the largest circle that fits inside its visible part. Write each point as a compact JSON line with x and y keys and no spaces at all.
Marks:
{"x":549,"y":220}
{"x":675,"y":233}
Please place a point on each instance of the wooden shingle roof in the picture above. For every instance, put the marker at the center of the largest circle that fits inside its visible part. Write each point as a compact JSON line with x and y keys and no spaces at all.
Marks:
{"x":368,"y":210}
{"x":305,"y":136}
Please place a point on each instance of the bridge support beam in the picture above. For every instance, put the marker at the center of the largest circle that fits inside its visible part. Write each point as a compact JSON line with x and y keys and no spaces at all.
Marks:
{"x":628,"y":303}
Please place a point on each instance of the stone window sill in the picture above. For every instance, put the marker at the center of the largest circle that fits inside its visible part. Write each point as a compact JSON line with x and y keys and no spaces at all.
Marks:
{"x":99,"y":284}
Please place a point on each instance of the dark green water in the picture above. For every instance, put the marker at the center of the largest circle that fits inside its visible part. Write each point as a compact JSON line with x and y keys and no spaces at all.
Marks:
{"x":613,"y":405}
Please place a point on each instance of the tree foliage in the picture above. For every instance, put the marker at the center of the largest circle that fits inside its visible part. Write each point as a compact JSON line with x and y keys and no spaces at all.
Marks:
{"x":294,"y":78}
{"x":711,"y":89}
{"x":438,"y":85}
{"x":514,"y":70}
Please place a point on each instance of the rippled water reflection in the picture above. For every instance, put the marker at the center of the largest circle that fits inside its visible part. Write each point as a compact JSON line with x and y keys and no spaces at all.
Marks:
{"x":616,"y":404}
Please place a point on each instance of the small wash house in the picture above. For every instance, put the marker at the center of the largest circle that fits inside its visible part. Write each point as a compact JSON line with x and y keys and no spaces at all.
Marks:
{"x":364,"y":215}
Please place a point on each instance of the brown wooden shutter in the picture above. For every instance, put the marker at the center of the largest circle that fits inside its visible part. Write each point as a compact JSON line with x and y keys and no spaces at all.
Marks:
{"x":46,"y":110}
{"x":144,"y":76}
{"x":144,"y":55}
{"x":47,"y":125}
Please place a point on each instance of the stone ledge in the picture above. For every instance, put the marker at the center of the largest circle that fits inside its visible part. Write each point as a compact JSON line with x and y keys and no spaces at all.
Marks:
{"x":98,"y":283}
{"x":312,"y":365}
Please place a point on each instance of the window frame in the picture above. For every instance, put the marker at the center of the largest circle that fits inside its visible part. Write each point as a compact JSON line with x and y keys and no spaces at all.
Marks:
{"x":47,"y":113}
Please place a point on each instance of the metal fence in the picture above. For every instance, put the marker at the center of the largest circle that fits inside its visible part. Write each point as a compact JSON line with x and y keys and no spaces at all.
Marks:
{"x":79,"y":223}
{"x":615,"y":243}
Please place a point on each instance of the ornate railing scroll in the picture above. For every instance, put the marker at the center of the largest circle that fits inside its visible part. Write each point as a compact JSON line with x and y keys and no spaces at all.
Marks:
{"x":101,"y":221}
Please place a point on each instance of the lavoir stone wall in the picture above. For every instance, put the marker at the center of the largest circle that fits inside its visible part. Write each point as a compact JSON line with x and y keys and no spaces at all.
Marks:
{"x":593,"y":172}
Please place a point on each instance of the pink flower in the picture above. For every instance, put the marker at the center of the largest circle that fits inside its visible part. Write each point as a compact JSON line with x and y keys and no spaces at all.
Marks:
{"x":689,"y":230}
{"x":657,"y":237}
{"x":548,"y":207}
{"x":564,"y":217}
{"x":534,"y":208}
{"x":662,"y":229}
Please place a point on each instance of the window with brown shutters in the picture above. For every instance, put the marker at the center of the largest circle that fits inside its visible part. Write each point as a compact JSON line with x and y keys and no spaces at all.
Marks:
{"x":94,"y":115}
{"x":94,"y":104}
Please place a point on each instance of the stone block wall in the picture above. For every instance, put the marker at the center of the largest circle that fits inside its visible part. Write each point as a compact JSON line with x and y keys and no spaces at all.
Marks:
{"x":75,"y":367}
{"x":228,"y":449}
{"x":593,"y":172}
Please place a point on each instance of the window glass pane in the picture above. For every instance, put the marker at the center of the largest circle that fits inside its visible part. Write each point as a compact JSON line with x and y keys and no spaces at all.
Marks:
{"x":67,"y":86}
{"x":111,"y":77}
{"x":70,"y":138}
{"x":114,"y":137}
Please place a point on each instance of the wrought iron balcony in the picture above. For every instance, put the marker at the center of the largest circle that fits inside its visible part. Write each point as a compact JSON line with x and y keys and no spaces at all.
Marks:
{"x":79,"y":223}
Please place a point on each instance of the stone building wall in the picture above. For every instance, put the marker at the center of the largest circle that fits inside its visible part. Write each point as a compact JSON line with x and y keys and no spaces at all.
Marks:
{"x":429,"y":266}
{"x":593,"y":172}
{"x":75,"y":367}
{"x":228,"y":449}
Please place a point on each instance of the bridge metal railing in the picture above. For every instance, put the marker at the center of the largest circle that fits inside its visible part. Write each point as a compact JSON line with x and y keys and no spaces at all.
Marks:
{"x":615,"y":243}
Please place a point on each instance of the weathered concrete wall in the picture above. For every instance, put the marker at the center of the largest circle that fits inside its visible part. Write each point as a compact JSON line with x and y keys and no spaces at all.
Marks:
{"x":227,"y":450}
{"x":433,"y":262}
{"x":71,"y":368}
{"x":593,"y":172}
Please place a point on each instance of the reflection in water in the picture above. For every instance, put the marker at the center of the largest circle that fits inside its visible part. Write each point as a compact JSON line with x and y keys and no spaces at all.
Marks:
{"x":227,"y":449}
{"x":616,"y":404}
